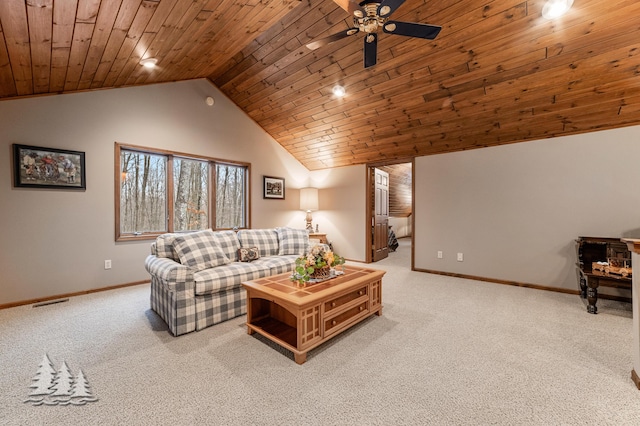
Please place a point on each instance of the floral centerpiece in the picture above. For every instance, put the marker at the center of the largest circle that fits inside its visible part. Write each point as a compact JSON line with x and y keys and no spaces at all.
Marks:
{"x":316,"y":265}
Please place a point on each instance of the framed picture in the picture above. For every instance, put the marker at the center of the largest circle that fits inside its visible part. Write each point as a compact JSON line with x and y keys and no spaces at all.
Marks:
{"x":273,"y":187}
{"x":37,"y":167}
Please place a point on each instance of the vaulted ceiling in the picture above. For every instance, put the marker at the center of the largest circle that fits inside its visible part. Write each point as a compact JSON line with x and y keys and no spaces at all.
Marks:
{"x":497,"y":73}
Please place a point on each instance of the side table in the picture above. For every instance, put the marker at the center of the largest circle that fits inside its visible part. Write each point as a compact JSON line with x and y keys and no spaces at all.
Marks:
{"x":319,"y":236}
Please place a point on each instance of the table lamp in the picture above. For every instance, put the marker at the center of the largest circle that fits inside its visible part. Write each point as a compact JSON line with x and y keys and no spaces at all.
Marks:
{"x":309,"y":203}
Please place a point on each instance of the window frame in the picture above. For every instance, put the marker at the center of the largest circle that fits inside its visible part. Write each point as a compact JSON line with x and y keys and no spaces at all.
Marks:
{"x":171,"y":155}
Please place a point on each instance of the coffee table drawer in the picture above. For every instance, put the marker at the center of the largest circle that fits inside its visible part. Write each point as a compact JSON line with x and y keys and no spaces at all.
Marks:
{"x":338,"y":302}
{"x":334,"y":324}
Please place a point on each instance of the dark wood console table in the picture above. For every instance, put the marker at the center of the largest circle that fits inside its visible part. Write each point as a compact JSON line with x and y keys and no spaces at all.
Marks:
{"x":596,"y":249}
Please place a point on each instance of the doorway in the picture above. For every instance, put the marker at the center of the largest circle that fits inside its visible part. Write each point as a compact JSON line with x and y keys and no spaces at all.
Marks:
{"x":389,"y":203}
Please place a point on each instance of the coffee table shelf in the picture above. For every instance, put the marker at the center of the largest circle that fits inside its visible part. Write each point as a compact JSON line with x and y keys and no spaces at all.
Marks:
{"x":276,"y":329}
{"x":299,"y":318}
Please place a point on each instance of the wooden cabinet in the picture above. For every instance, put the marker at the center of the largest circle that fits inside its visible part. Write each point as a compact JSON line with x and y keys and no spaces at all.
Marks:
{"x":602,"y":262}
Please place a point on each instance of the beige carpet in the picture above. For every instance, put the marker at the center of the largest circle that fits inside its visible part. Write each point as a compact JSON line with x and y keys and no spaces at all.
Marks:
{"x":445,"y":351}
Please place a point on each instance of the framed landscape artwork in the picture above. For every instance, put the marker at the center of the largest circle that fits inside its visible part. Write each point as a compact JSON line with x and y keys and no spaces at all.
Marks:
{"x":273,"y":187}
{"x":38,"y":167}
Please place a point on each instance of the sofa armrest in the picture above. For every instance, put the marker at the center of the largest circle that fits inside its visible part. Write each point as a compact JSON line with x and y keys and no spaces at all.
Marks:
{"x":175,"y":275}
{"x":172,"y":293}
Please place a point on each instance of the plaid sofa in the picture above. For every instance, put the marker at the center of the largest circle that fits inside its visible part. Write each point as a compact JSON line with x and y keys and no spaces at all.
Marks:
{"x":196,"y":278}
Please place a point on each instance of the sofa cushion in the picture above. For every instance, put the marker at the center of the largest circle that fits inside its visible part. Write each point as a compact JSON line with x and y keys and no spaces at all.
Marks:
{"x":198,"y":250}
{"x":164,"y":246}
{"x":292,"y":241}
{"x":278,"y":264}
{"x":265,"y":239}
{"x":226,"y":277}
{"x":228,"y":242}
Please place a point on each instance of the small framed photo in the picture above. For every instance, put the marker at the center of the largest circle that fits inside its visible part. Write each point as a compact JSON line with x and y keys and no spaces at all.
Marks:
{"x":38,"y":167}
{"x":273,"y":187}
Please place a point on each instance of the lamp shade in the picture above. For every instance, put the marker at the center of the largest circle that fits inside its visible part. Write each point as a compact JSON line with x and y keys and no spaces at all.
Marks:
{"x":309,"y":199}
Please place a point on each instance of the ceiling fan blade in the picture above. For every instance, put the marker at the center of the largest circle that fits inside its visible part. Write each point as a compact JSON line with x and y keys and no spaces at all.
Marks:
{"x":332,"y":38}
{"x":370,"y":50}
{"x":348,"y":5}
{"x":412,"y":29}
{"x":387,"y":7}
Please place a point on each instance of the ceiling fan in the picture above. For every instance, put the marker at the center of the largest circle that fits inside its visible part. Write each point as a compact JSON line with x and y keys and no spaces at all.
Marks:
{"x":368,"y":17}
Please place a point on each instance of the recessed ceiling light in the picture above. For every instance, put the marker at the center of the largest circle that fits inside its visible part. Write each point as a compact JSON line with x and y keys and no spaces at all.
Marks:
{"x":553,"y":9}
{"x":149,"y":63}
{"x":339,"y":91}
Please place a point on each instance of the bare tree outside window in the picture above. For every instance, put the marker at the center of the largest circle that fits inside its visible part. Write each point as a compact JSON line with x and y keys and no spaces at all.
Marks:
{"x":143,"y":203}
{"x":230,"y":196}
{"x":191,"y":195}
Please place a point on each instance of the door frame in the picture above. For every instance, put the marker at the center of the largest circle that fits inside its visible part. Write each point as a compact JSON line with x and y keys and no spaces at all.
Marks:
{"x":369,"y":204}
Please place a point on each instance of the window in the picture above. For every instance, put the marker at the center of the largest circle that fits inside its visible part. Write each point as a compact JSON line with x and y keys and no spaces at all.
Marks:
{"x":191,"y":194}
{"x":161,"y":191}
{"x":143,"y":204}
{"x":230,"y":196}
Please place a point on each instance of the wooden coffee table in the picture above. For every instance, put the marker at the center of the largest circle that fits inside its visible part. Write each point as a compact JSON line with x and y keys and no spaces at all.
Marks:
{"x":299,"y":318}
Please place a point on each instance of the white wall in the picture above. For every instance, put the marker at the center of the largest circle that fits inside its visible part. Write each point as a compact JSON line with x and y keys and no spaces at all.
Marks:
{"x":55,"y":241}
{"x":401,"y":226}
{"x":514,"y":211}
{"x":342,"y":209}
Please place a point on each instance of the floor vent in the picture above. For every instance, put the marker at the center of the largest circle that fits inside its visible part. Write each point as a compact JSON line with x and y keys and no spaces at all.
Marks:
{"x":50,"y":302}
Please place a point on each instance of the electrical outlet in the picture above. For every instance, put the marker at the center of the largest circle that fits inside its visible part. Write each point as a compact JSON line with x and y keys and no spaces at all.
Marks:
{"x":439,"y":255}
{"x":107,"y":264}
{"x":460,"y":257}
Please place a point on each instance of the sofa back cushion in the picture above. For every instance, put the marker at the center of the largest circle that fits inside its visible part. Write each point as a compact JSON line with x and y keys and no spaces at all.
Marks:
{"x":292,"y":241}
{"x":164,"y":247}
{"x":228,"y":242}
{"x":265,"y":239}
{"x":198,"y":250}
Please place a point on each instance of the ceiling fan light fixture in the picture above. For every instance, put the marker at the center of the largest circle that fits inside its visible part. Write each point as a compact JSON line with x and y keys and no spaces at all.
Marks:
{"x":149,"y":63}
{"x":338,"y":91}
{"x":553,"y":9}
{"x":385,"y":10}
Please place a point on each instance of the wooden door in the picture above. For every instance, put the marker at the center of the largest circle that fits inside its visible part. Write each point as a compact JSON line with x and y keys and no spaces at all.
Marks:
{"x":380,"y":215}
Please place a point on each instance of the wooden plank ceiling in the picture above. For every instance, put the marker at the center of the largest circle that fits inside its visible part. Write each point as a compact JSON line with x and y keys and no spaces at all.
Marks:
{"x":498,"y":72}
